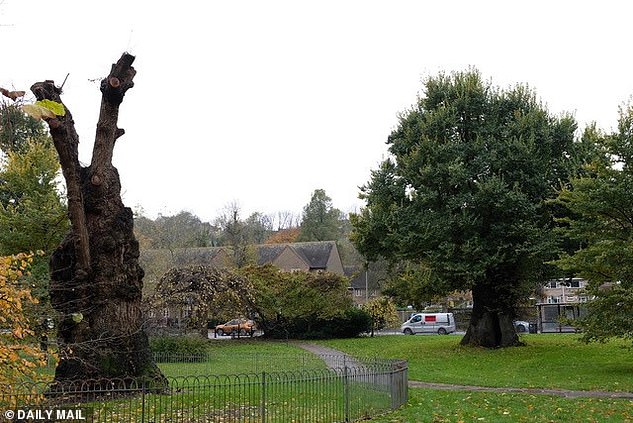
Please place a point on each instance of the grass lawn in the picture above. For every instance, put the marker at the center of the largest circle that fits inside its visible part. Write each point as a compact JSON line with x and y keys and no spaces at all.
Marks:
{"x":460,"y":406}
{"x":245,"y":356}
{"x":556,"y":361}
{"x":548,"y":361}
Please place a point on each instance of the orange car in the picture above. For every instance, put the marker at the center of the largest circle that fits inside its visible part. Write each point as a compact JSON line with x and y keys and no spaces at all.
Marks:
{"x":236,"y":326}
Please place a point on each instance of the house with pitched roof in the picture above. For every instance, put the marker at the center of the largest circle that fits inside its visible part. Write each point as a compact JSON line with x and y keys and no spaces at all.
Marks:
{"x":321,"y":256}
{"x":318,"y":256}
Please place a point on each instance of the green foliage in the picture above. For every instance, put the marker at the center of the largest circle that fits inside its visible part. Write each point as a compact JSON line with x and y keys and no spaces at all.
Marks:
{"x":241,"y":234}
{"x":464,"y":192}
{"x":301,"y":304}
{"x":32,"y":215}
{"x":350,"y":324}
{"x":600,"y":221}
{"x":383,"y":313}
{"x":413,"y":284}
{"x":258,"y":228}
{"x":183,"y":230}
{"x":55,"y":107}
{"x":17,"y":128}
{"x":320,"y":221}
{"x":204,"y":292}
{"x":178,"y":345}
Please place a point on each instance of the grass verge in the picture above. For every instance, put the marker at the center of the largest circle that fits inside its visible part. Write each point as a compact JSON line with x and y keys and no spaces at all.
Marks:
{"x":459,"y":406}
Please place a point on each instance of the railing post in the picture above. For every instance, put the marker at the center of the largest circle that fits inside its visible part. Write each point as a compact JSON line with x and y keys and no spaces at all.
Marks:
{"x":142,"y":400}
{"x":262,"y":411}
{"x":346,"y":399}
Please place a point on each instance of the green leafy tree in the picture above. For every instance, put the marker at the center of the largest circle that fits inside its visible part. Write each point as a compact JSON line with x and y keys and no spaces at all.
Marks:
{"x":17,"y":128}
{"x":303,"y":304}
{"x":464,"y":195}
{"x":203,"y":292}
{"x":235,"y":233}
{"x":33,"y":216}
{"x":183,"y":230}
{"x":601,"y":222}
{"x":383,"y":313}
{"x":258,"y":228}
{"x":320,"y":220}
{"x":413,"y":284}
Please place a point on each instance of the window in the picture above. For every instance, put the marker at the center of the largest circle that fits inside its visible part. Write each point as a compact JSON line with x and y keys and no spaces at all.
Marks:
{"x":165,"y":312}
{"x":552,"y":284}
{"x":576,"y":283}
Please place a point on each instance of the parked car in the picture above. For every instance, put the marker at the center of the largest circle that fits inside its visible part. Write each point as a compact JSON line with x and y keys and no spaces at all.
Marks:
{"x":440,"y":323}
{"x":521,"y":326}
{"x":235,"y":327}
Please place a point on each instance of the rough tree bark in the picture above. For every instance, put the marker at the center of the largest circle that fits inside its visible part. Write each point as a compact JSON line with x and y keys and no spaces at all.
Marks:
{"x":491,"y":324}
{"x":96,"y":281}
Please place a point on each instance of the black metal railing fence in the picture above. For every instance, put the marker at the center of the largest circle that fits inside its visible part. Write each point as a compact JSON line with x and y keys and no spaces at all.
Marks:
{"x":356,"y":389}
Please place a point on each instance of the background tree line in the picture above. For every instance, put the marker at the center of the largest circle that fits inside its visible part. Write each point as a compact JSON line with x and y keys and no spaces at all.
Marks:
{"x":320,"y":221}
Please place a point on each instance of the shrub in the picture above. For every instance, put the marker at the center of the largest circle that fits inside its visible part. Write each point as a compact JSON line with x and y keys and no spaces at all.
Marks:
{"x":350,"y":324}
{"x":171,"y":348}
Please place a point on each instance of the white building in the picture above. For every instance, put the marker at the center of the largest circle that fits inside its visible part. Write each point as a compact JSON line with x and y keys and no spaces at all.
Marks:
{"x":564,"y":290}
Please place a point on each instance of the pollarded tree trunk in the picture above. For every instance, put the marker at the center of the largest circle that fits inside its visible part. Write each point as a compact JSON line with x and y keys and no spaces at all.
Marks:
{"x":96,"y":281}
{"x":491,"y":324}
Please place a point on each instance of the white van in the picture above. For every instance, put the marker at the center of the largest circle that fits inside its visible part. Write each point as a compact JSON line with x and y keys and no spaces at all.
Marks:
{"x":440,"y":323}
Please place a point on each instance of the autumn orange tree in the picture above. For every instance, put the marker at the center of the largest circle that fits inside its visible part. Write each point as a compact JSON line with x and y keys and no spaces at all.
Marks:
{"x":21,"y":358}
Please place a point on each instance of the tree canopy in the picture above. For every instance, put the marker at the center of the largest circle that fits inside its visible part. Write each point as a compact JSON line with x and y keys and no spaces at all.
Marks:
{"x":463,"y":195}
{"x":183,"y":230}
{"x":320,"y":220}
{"x":600,"y":202}
{"x":17,"y":128}
{"x":32,"y":214}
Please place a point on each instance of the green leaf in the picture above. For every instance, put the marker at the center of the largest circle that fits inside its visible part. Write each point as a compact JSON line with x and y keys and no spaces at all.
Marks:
{"x":53,"y":106}
{"x":38,"y":112}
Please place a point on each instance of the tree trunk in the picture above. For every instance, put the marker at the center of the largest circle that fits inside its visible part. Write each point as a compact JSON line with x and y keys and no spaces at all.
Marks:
{"x":491,"y":324}
{"x":96,"y":281}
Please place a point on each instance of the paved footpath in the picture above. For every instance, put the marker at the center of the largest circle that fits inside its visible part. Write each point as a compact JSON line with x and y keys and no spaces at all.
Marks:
{"x":328,"y":353}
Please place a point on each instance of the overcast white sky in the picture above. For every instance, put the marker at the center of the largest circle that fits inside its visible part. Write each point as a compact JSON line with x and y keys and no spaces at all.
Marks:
{"x":262,"y":102}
